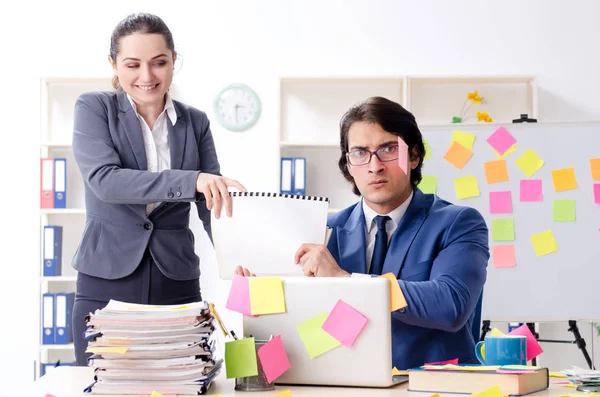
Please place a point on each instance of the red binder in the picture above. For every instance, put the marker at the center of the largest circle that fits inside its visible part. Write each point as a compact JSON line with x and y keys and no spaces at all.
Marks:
{"x":47,"y":182}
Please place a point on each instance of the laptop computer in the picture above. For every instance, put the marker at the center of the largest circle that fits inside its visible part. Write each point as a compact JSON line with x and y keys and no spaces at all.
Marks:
{"x":368,"y":363}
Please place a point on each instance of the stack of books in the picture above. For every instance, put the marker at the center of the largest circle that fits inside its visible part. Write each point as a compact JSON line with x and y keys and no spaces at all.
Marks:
{"x":140,"y":349}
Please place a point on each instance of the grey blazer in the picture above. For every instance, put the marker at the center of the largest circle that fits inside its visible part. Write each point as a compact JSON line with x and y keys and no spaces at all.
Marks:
{"x":109,"y":150}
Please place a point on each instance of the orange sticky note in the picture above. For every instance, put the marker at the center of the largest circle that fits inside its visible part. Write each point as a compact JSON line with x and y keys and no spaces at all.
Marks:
{"x":595,"y":167}
{"x":397,"y":300}
{"x":495,"y":171}
{"x":564,"y":179}
{"x":504,"y":255}
{"x":458,"y":155}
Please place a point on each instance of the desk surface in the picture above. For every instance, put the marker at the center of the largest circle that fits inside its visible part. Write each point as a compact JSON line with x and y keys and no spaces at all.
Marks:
{"x":70,"y":382}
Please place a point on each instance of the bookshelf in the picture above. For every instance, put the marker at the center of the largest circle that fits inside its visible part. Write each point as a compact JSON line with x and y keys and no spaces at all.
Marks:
{"x":58,"y":96}
{"x":311,"y":107}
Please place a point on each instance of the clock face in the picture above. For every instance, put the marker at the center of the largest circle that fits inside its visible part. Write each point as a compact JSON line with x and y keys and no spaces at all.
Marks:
{"x":237,"y":107}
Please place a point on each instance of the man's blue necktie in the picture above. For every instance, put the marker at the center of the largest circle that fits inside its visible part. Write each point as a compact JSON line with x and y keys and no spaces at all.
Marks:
{"x":381,"y":244}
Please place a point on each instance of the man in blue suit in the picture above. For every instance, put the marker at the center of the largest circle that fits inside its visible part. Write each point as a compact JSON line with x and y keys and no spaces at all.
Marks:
{"x":438,"y":251}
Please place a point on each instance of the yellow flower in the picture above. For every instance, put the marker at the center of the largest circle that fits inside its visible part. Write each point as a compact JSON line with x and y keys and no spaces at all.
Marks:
{"x":474,"y":96}
{"x":483,"y":116}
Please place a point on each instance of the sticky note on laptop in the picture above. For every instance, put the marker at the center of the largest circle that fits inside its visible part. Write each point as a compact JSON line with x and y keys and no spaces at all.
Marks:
{"x":344,"y":323}
{"x":266,"y":295}
{"x":315,"y":339}
{"x":397,"y":300}
{"x":239,"y":295}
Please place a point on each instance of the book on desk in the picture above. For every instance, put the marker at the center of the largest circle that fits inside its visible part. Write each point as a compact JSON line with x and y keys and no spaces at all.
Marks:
{"x":448,"y":381}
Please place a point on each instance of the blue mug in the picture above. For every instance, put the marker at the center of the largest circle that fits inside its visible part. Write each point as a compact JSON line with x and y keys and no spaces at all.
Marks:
{"x":502,"y":350}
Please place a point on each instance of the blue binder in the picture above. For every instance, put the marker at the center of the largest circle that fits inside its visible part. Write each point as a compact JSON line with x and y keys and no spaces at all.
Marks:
{"x":63,"y":313}
{"x":299,"y":176}
{"x":60,"y":183}
{"x":52,"y":251}
{"x":286,"y":181}
{"x":48,"y":319}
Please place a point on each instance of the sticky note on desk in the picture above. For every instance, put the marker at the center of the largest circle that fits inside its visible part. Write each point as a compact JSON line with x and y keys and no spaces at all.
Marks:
{"x":240,"y":358}
{"x":315,"y":339}
{"x":501,"y":202}
{"x":285,"y":393}
{"x":428,"y":184}
{"x":529,"y":162}
{"x":344,"y":323}
{"x":466,"y":187}
{"x":564,"y":179}
{"x":501,"y":140}
{"x":458,"y":155}
{"x":239,"y":295}
{"x":273,"y":358}
{"x":266,"y":295}
{"x":544,"y":243}
{"x":397,"y":372}
{"x":495,"y":171}
{"x":464,"y":138}
{"x":564,"y":210}
{"x":503,"y":229}
{"x":531,"y":190}
{"x":493,"y":392}
{"x":397,"y":300}
{"x":533,"y":347}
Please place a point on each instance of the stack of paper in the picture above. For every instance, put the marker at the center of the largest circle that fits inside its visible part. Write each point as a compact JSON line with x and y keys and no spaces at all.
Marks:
{"x":139,"y":349}
{"x":586,"y":378}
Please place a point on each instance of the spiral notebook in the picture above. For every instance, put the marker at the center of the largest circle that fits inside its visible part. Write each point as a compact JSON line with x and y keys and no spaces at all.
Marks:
{"x":265,"y":231}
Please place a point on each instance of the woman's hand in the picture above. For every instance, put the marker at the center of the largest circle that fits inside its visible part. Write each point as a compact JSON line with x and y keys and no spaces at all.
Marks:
{"x":242,"y":271}
{"x":214,"y":188}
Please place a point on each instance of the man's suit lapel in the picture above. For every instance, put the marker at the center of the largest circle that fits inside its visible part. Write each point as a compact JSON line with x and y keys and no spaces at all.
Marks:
{"x":405,"y":232}
{"x":353,"y":253}
{"x":133,"y":129}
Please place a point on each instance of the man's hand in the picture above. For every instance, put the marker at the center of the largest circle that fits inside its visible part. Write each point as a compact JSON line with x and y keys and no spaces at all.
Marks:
{"x":242,"y":271}
{"x":316,"y":261}
{"x":214,"y":188}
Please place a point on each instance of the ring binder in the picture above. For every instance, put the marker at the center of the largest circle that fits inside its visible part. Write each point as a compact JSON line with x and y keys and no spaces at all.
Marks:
{"x":284,"y":195}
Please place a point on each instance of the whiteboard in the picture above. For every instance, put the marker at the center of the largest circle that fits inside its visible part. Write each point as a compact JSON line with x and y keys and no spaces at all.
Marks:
{"x":559,"y":286}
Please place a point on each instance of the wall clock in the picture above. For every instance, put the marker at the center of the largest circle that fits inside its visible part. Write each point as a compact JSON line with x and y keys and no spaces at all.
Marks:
{"x":237,"y":107}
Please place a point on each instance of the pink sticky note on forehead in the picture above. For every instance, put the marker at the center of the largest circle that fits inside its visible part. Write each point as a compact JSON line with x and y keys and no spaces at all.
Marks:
{"x":531,"y":190}
{"x":344,"y":323}
{"x":501,"y":202}
{"x":501,"y":140}
{"x":403,"y":155}
{"x":273,"y":358}
{"x":533,"y":347}
{"x":239,"y":295}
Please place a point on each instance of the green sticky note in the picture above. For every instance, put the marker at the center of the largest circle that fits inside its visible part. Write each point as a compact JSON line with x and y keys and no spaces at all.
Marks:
{"x":503,"y":229}
{"x":240,"y":358}
{"x":563,"y":210}
{"x":315,"y":339}
{"x":428,"y":184}
{"x":428,"y":152}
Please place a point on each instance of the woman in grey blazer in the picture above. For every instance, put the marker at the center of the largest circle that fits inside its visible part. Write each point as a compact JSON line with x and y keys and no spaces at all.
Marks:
{"x":144,"y":158}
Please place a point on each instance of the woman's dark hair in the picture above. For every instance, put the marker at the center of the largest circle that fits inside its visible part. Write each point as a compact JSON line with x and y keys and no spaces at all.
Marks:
{"x":394,"y":119}
{"x":138,"y":23}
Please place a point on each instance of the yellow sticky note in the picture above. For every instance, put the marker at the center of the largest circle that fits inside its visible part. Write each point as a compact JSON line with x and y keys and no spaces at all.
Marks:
{"x":555,"y":374}
{"x":495,"y":171}
{"x":100,"y":350}
{"x":458,"y":155}
{"x":285,"y":393}
{"x":544,"y":243}
{"x":493,"y":392}
{"x":428,"y":150}
{"x":156,"y":394}
{"x":397,"y":300}
{"x":564,"y":179}
{"x":266,"y":295}
{"x":510,"y":150}
{"x":397,"y":372}
{"x":464,"y":138}
{"x":595,"y":168}
{"x":466,"y":187}
{"x":316,"y":340}
{"x":529,"y":163}
{"x":496,"y":332}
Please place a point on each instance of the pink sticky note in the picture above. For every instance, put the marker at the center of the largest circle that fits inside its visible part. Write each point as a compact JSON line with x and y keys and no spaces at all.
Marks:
{"x":504,"y":255}
{"x":533,"y":347}
{"x":453,"y":361}
{"x":273,"y":358}
{"x":531,"y":190}
{"x":344,"y":323}
{"x":239,"y":295}
{"x":597,"y":193}
{"x":501,"y":202}
{"x":501,"y":140}
{"x":403,"y":155}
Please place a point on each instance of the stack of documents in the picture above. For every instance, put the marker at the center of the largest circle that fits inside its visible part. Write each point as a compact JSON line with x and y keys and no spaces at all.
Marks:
{"x":139,"y":349}
{"x":584,"y":378}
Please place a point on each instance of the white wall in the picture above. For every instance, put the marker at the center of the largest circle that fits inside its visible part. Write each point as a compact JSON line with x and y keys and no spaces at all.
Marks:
{"x":255,"y":42}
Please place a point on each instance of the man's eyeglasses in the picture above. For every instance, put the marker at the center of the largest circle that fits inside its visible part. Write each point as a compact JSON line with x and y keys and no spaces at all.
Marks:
{"x":363,"y":157}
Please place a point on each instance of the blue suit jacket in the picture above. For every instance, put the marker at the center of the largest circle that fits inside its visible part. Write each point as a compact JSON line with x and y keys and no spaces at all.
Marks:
{"x":109,"y":150}
{"x":439,"y":253}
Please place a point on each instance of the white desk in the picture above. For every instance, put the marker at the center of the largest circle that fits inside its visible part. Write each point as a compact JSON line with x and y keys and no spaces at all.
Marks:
{"x":70,"y":382}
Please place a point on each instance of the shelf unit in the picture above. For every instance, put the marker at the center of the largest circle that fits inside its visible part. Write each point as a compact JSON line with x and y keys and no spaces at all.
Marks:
{"x":311,"y":107}
{"x":58,"y":96}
